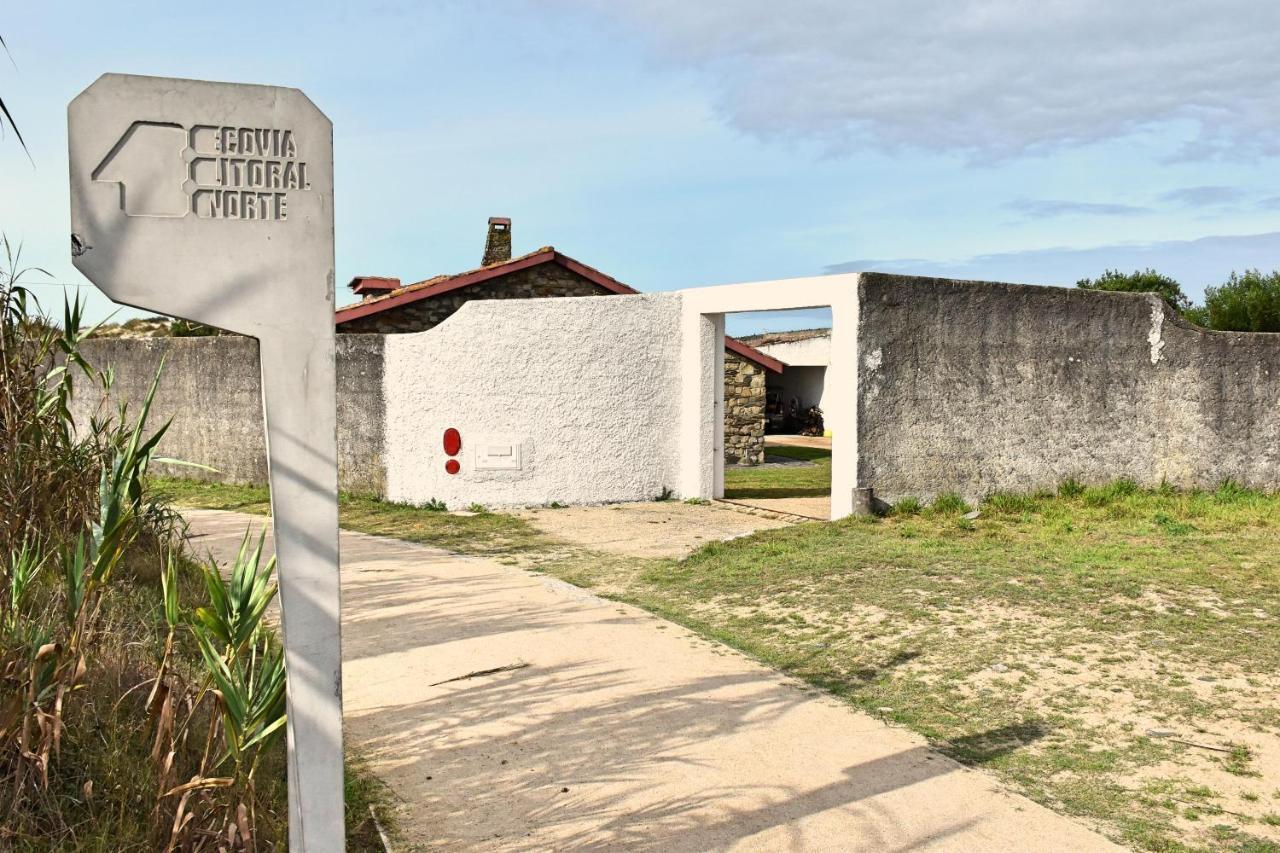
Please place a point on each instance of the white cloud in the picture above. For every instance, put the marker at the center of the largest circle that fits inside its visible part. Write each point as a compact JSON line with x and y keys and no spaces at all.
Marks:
{"x":1194,"y":263}
{"x":991,"y":79}
{"x":1050,"y":208}
{"x":1204,"y":196}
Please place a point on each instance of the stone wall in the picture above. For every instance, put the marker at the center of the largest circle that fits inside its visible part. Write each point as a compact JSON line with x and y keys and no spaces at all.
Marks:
{"x":534,"y":282}
{"x":976,"y":387}
{"x":744,"y":402}
{"x":211,"y":388}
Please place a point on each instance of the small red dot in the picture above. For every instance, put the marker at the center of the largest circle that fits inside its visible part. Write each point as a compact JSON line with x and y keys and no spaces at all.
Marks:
{"x":452,"y":466}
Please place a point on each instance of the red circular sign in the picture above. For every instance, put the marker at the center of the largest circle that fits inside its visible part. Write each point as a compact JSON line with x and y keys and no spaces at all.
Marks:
{"x":452,"y":466}
{"x":452,"y":442}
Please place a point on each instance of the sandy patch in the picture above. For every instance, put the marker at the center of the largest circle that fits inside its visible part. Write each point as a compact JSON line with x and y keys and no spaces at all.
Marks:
{"x":653,"y":530}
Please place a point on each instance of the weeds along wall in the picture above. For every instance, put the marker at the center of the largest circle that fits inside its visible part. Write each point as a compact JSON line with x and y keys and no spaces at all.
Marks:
{"x":977,"y":387}
{"x":211,"y":388}
{"x":568,"y":400}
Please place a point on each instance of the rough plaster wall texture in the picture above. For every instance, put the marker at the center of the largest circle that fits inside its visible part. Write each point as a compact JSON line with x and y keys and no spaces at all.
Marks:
{"x":211,"y":389}
{"x":977,"y":387}
{"x":587,"y":388}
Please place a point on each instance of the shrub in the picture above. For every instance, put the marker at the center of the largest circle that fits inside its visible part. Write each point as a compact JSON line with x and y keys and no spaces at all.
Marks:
{"x":435,"y":505}
{"x":1144,"y":281}
{"x":1245,"y":303}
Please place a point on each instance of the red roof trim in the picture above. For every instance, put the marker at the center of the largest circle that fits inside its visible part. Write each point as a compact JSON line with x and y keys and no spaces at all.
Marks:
{"x":750,"y":353}
{"x":605,"y":281}
{"x":446,"y":284}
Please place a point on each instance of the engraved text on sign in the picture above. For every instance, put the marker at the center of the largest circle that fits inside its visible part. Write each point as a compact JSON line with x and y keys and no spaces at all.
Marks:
{"x":215,"y":172}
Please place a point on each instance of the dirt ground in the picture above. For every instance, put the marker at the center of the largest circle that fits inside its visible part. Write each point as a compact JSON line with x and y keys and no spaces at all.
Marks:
{"x":653,"y":530}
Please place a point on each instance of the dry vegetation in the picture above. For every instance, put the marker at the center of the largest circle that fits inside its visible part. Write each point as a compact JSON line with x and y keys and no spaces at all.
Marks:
{"x":141,"y":695}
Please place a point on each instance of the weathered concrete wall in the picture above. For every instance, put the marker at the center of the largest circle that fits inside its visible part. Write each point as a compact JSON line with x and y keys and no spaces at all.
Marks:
{"x":976,"y":387}
{"x":582,"y":392}
{"x":211,"y":388}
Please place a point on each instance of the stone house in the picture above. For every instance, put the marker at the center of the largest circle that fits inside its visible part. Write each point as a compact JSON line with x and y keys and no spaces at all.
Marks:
{"x":387,"y":306}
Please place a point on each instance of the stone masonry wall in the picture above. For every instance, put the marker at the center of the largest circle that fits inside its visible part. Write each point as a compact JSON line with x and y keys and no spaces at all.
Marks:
{"x":744,"y":401}
{"x":534,"y":282}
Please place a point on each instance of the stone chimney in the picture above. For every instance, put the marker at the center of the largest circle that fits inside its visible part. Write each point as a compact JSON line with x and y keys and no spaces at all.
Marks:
{"x":497,"y":248}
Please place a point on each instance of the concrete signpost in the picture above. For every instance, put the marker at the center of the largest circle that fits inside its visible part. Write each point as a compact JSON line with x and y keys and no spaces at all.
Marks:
{"x":213,"y":202}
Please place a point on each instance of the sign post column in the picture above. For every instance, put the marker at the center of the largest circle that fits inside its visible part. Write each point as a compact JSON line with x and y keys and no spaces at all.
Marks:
{"x":213,"y":202}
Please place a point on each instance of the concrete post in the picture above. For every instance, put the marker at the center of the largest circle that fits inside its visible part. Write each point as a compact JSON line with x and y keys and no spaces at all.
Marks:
{"x":213,"y":202}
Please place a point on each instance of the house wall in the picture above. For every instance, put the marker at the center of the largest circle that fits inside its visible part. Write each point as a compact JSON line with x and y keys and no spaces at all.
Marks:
{"x":744,"y":419}
{"x":809,"y":352}
{"x":211,"y":388}
{"x":976,"y":387}
{"x":744,"y":400}
{"x":804,"y":383}
{"x":583,"y":391}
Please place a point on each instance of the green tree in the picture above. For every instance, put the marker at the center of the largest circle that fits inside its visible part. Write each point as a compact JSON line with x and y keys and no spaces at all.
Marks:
{"x":1245,"y":303}
{"x":1144,"y":281}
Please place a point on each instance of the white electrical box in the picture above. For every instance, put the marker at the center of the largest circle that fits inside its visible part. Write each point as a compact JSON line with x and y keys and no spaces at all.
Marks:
{"x":497,"y":456}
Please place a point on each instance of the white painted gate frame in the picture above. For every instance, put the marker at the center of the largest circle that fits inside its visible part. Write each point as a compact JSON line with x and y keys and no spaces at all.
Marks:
{"x":701,"y":442}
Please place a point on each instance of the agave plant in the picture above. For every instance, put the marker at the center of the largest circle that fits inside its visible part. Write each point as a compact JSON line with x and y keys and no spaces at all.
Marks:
{"x":245,"y":670}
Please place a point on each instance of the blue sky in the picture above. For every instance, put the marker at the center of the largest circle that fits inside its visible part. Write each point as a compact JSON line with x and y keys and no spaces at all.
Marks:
{"x":675,"y":144}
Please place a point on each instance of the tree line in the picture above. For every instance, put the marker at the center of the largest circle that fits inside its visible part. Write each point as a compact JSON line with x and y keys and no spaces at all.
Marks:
{"x":1247,"y":302}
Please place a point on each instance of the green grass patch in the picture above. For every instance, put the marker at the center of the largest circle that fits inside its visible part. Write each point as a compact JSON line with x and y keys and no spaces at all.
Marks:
{"x":812,"y":480}
{"x":483,"y":533}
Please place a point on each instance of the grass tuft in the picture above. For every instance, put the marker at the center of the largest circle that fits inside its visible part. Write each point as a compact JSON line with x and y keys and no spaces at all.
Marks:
{"x":948,"y":503}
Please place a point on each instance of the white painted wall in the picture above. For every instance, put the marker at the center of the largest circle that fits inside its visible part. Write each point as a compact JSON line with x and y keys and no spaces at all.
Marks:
{"x":811,"y":352}
{"x":805,"y":373}
{"x":807,"y":384}
{"x":587,"y":388}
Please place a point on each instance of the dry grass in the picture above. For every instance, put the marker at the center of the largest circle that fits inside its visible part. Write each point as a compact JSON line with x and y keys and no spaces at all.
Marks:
{"x":1074,"y":646}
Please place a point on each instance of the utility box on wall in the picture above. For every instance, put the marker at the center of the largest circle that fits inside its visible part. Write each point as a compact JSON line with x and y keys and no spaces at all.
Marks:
{"x":498,"y":455}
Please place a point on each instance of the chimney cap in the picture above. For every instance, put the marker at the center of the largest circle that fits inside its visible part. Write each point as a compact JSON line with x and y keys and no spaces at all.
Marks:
{"x":500,"y":220}
{"x":372,"y":285}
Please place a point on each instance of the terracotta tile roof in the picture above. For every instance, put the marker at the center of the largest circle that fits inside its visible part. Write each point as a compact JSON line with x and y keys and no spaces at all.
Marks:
{"x":764,"y":339}
{"x":442,"y":284}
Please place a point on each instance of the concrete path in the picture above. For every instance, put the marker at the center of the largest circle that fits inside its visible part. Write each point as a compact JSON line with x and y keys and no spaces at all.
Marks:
{"x":620,"y":730}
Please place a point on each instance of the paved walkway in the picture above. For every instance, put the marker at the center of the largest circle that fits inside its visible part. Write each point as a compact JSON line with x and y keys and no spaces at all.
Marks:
{"x":620,"y":730}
